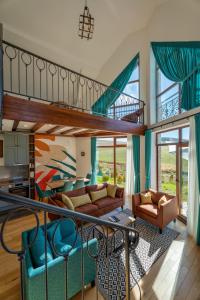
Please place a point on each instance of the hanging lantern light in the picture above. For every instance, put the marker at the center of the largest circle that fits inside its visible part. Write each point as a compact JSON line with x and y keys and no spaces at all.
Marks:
{"x":86,"y":24}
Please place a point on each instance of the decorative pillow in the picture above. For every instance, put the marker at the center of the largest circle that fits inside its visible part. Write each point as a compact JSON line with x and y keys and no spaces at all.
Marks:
{"x":155,"y":196}
{"x":98,"y":194}
{"x":146,"y":198}
{"x":67,"y":201}
{"x":50,"y":234}
{"x":80,"y":200}
{"x":37,"y":250}
{"x":111,"y":190}
{"x":162,"y":200}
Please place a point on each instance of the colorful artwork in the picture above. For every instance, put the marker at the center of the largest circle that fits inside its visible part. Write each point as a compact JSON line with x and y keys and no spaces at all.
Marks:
{"x":53,"y":156}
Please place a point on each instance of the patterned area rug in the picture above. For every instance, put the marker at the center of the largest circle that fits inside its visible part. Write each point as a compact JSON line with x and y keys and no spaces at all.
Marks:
{"x":152,"y":244}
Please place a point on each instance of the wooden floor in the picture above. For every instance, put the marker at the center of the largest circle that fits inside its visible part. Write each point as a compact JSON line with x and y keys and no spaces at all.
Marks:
{"x":176,"y":275}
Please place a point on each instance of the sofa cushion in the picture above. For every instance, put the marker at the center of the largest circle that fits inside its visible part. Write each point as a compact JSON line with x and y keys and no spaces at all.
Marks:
{"x":162,"y":200}
{"x":75,"y":193}
{"x":57,"y":235}
{"x":73,"y":239}
{"x":96,"y":195}
{"x":37,"y":250}
{"x":106,"y":202}
{"x":95,"y":187}
{"x":67,"y":201}
{"x":146,"y":198}
{"x":80,"y":200}
{"x":155,"y":196}
{"x":111,"y":190}
{"x":148,"y":209}
{"x":62,"y":248}
{"x":57,"y":196}
{"x":67,"y":227}
{"x":87,"y":208}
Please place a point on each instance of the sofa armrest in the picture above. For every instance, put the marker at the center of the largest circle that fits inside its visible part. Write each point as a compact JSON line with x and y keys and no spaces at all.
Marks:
{"x":120,"y":192}
{"x":135,"y":201}
{"x":169,"y":210}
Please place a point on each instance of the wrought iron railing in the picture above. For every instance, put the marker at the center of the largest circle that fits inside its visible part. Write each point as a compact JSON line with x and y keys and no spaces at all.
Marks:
{"x":169,"y":107}
{"x":35,"y":77}
{"x":113,"y":241}
{"x":172,"y":105}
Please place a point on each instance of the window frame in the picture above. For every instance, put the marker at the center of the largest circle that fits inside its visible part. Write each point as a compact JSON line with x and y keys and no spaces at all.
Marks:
{"x":158,"y":95}
{"x":130,"y":82}
{"x":114,"y":146}
{"x":180,"y":144}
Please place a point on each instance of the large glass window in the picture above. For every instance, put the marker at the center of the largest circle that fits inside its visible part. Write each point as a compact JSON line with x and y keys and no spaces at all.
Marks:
{"x":125,"y":104}
{"x":111,"y":160}
{"x":167,"y":97}
{"x":172,"y":165}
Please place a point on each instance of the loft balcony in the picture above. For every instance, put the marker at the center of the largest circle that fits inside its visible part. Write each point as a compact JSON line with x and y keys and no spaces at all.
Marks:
{"x":60,"y":96}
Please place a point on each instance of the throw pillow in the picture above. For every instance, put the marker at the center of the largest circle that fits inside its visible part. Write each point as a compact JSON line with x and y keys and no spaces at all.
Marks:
{"x":162,"y":200}
{"x":155,"y":197}
{"x":37,"y":250}
{"x":98,"y":194}
{"x":111,"y":190}
{"x":146,"y":198}
{"x":67,"y":201}
{"x":80,"y":200}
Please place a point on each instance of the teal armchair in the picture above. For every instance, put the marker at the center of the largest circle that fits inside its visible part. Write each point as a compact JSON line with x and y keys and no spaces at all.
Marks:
{"x":34,"y":275}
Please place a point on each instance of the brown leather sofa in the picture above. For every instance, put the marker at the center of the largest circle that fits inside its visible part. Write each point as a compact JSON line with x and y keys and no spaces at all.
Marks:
{"x":97,"y":208}
{"x":151,"y":213}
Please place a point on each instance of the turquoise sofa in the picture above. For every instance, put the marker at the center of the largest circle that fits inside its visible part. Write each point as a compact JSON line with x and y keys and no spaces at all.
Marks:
{"x":34,"y":268}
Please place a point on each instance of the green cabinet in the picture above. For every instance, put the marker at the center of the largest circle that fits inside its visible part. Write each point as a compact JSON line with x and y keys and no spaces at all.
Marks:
{"x":15,"y":149}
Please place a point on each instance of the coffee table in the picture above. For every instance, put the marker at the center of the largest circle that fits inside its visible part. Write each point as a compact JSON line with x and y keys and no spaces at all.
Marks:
{"x":124,"y":219}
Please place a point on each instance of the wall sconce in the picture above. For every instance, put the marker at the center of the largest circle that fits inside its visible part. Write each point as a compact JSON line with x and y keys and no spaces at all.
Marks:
{"x":82,"y":153}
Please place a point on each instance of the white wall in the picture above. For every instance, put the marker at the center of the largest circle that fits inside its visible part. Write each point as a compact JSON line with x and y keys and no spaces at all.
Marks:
{"x":83,"y":162}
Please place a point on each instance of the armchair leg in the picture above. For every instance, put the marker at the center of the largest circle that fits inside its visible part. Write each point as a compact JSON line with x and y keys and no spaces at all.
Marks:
{"x":93,"y":283}
{"x":175,"y":220}
{"x":122,"y":207}
{"x":160,"y":230}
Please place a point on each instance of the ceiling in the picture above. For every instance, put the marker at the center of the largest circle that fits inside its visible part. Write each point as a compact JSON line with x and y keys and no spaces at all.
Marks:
{"x":36,"y":128}
{"x":53,"y":26}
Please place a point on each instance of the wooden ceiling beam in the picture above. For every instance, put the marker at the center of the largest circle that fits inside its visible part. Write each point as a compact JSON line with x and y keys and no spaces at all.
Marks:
{"x":100,"y":133}
{"x":15,"y":108}
{"x":37,"y":126}
{"x":55,"y":128}
{"x":86,"y":131}
{"x":15,"y":125}
{"x":71,"y":131}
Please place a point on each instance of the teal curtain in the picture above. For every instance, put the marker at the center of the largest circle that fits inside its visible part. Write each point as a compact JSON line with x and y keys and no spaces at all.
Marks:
{"x":136,"y":161}
{"x":108,"y":98}
{"x":148,"y":158}
{"x":93,"y":159}
{"x":197,"y":133}
{"x":177,"y":60}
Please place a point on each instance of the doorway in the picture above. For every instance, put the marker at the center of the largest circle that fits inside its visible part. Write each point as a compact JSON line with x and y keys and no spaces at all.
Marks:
{"x":172,"y":165}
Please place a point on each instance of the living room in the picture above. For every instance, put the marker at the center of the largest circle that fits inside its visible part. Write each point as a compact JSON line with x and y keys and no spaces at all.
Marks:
{"x":99,"y":149}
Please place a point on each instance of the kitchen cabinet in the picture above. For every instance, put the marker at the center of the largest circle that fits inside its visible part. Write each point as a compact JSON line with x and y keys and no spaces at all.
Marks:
{"x":15,"y":149}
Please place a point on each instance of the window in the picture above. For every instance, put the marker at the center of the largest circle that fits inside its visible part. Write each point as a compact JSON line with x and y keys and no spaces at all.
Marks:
{"x":172,"y":165}
{"x":167,"y":97}
{"x":111,"y":160}
{"x":124,"y":104}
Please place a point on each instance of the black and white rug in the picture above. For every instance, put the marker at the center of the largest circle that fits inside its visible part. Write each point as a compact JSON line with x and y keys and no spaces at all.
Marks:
{"x":152,"y":244}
